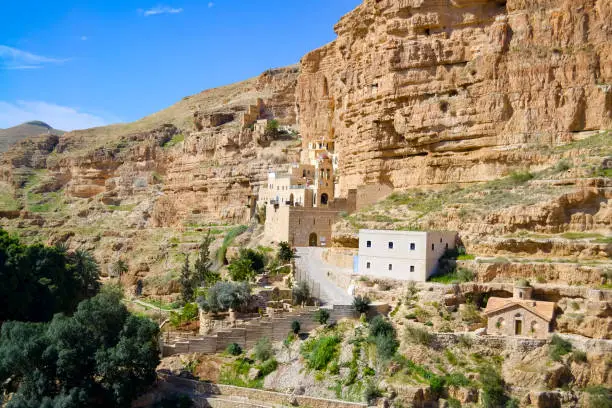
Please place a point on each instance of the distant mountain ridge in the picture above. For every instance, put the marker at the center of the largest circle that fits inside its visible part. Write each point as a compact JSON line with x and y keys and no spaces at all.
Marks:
{"x":15,"y":134}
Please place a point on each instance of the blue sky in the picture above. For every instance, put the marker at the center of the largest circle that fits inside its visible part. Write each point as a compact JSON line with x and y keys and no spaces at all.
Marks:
{"x":78,"y":64}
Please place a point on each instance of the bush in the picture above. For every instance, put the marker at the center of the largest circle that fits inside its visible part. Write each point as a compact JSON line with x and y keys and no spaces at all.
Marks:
{"x":558,"y":348}
{"x":418,"y":335}
{"x":234,"y":349}
{"x":436,"y":385}
{"x":225,"y":295}
{"x":295,"y":327}
{"x":381,"y":327}
{"x":361,"y":304}
{"x":263,"y":349}
{"x":258,"y":260}
{"x":285,"y":252}
{"x":386,"y":346}
{"x":563,"y":165}
{"x":268,"y":366}
{"x":493,"y":392}
{"x":321,"y":316}
{"x":241,"y":269}
{"x":521,"y":176}
{"x":371,"y":392}
{"x":319,"y":352}
{"x":454,"y":403}
{"x":301,"y":292}
{"x":599,"y":397}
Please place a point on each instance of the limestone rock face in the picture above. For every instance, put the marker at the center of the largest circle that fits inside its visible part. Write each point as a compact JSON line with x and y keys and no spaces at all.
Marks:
{"x":426,"y":92}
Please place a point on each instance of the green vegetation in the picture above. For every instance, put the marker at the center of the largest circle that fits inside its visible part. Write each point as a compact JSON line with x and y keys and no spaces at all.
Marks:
{"x":361,"y":304}
{"x":223,"y":296}
{"x":227,"y":241}
{"x":457,"y":275}
{"x":558,"y":348}
{"x":188,"y":313}
{"x":301,"y":292}
{"x":263,"y":349}
{"x":37,"y":281}
{"x":521,"y":176}
{"x":580,"y":235}
{"x":321,"y":316}
{"x":320,"y":352}
{"x":295,"y":327}
{"x":101,"y":356}
{"x":127,"y":207}
{"x":237,"y":372}
{"x":176,"y":139}
{"x":8,"y":202}
{"x":383,"y":335}
{"x":241,"y":269}
{"x":417,"y":335}
{"x":285,"y":252}
{"x":599,"y":397}
{"x":234,"y":349}
{"x":187,"y":282}
{"x":493,"y":389}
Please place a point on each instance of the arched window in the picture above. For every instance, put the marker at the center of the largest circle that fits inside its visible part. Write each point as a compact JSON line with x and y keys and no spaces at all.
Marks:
{"x":324,"y":199}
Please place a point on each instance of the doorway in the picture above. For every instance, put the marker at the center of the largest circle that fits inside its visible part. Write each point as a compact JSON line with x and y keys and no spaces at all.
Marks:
{"x":312,"y":240}
{"x":518,"y":327}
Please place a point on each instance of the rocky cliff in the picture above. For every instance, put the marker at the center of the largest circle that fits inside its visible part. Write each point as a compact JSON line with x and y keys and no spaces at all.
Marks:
{"x":452,"y":91}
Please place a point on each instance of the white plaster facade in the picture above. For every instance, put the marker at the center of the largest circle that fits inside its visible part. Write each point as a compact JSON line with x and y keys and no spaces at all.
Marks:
{"x":403,"y":255}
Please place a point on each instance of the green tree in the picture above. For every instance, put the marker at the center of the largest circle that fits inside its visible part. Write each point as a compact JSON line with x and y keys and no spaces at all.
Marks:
{"x":241,"y":269}
{"x":361,"y":304}
{"x":321,"y":316}
{"x":187,"y":282}
{"x":285,"y":252}
{"x":301,"y":292}
{"x":258,"y":260}
{"x":204,"y":274}
{"x":295,"y":327}
{"x":263,"y":349}
{"x":102,"y":356}
{"x":225,"y":295}
{"x":119,"y":268}
{"x":493,"y":392}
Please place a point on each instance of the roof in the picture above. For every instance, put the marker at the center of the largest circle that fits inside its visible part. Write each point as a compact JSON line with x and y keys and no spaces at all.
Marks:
{"x":401,"y":232}
{"x":545,"y":310}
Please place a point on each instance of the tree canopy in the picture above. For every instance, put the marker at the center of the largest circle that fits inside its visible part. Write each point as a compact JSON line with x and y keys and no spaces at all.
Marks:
{"x":225,"y":295}
{"x":102,"y":356}
{"x":37,"y":281}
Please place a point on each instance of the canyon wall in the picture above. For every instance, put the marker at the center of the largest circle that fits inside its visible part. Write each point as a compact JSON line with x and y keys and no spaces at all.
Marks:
{"x":422,"y":93}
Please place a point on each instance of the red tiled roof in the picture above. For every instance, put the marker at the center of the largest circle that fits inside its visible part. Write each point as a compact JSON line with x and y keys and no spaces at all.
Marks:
{"x":545,"y":310}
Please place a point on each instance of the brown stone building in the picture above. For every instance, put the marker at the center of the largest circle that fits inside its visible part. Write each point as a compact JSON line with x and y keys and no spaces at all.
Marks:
{"x":519,"y":315}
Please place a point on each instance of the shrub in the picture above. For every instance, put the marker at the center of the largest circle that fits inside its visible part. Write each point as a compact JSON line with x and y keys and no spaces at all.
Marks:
{"x":454,"y":403}
{"x":493,"y":392}
{"x":361,"y":304}
{"x":295,"y":326}
{"x":470,"y":314}
{"x":234,"y":349}
{"x":301,"y":292}
{"x":563,"y":165}
{"x":521,"y":176}
{"x":258,"y":259}
{"x":371,"y":392}
{"x":263,"y":349}
{"x":386,"y":346}
{"x":418,"y":335}
{"x":579,"y":356}
{"x":436,"y":385}
{"x":285,"y":252}
{"x":321,"y":316}
{"x":241,"y":269}
{"x":559,"y":347}
{"x":225,"y":295}
{"x":319,"y":352}
{"x":268,"y":366}
{"x":523,"y":283}
{"x":381,"y":327}
{"x":599,"y":397}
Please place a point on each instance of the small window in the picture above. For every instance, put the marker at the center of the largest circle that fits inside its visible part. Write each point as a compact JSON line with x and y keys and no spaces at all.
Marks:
{"x":440,"y":240}
{"x":447,"y":245}
{"x":412,"y":246}
{"x":390,"y":267}
{"x":390,"y":245}
{"x":432,"y":246}
{"x":367,"y":265}
{"x":369,"y":244}
{"x":411,"y":268}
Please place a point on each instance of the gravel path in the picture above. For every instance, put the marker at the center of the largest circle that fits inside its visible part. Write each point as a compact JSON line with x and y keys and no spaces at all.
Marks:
{"x":308,"y":259}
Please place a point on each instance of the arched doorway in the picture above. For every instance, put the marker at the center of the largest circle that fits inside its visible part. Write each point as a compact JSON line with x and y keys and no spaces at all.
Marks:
{"x":312,"y":240}
{"x":324,"y":199}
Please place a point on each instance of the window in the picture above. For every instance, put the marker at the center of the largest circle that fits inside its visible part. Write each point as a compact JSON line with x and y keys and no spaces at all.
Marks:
{"x":390,"y":267}
{"x":440,"y":240}
{"x":447,"y":245}
{"x":367,"y":265}
{"x":411,"y":268}
{"x":390,"y":245}
{"x":432,"y":247}
{"x":412,"y":246}
{"x":369,"y":244}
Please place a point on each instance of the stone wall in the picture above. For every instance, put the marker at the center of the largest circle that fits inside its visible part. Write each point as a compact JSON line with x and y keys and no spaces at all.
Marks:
{"x":249,"y":332}
{"x":341,"y":257}
{"x":369,"y":194}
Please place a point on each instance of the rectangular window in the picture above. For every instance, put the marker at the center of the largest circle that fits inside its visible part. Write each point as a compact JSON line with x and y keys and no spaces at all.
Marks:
{"x":432,"y":247}
{"x":390,"y":267}
{"x":411,"y":268}
{"x":368,"y":265}
{"x":412,"y":246}
{"x":369,"y":244}
{"x":390,"y":245}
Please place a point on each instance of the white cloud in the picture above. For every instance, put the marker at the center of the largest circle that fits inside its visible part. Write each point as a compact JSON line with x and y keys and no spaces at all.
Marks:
{"x":13,"y":58}
{"x":59,"y":117}
{"x":210,"y":4}
{"x":162,"y":10}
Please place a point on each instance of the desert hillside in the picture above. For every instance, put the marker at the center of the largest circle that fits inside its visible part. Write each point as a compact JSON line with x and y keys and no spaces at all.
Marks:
{"x":15,"y":134}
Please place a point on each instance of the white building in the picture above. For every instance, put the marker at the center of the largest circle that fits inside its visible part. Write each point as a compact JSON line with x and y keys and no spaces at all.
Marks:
{"x":404,"y":255}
